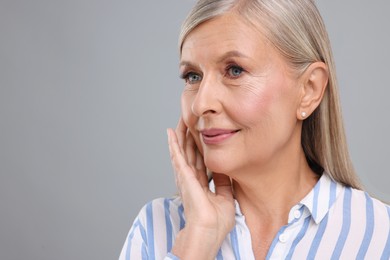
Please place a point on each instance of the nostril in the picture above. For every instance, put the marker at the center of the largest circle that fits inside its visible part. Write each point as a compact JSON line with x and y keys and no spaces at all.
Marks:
{"x":202,"y":110}
{"x":205,"y":103}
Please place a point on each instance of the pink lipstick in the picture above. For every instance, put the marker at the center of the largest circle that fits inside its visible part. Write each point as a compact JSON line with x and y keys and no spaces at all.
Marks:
{"x":216,"y":136}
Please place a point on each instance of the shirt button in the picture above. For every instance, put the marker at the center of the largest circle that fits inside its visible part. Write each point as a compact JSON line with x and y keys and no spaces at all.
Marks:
{"x":283,"y":238}
{"x":297,"y":214}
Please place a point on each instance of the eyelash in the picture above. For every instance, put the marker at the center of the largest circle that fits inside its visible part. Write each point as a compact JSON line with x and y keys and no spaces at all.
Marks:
{"x":233,"y":66}
{"x":185,"y":76}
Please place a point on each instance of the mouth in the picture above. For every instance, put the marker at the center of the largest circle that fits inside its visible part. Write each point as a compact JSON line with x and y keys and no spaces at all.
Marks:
{"x":217,"y":136}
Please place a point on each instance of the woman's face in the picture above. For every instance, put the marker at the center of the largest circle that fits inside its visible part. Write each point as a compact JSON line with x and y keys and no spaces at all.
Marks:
{"x":240,"y":98}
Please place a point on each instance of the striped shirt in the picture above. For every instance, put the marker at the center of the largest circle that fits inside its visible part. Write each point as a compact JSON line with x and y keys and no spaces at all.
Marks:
{"x":331,"y":222}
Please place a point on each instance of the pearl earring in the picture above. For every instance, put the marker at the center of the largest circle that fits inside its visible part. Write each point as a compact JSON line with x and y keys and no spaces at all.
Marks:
{"x":303,"y":114}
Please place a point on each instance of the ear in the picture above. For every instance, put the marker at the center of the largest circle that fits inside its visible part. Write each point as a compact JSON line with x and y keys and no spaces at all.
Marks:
{"x":313,"y":81}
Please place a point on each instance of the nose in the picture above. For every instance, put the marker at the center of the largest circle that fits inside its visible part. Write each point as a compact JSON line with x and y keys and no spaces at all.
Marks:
{"x":208,"y":98}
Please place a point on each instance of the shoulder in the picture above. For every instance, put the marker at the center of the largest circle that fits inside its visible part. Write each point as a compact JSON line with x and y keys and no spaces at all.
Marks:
{"x":361,"y":214}
{"x":153,"y":230}
{"x":370,"y":205}
{"x":162,"y":212}
{"x":360,"y":204}
{"x":367,"y":220}
{"x":360,"y":225}
{"x":161,"y":207}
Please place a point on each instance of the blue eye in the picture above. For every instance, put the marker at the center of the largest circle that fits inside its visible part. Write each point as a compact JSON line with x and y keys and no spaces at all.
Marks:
{"x":192,"y":78}
{"x":235,"y":71}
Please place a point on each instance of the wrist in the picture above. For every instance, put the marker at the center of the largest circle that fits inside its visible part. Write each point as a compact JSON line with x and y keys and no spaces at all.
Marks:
{"x":197,"y":243}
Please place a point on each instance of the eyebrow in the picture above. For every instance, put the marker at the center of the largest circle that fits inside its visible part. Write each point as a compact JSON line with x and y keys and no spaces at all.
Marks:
{"x":227,"y":55}
{"x":186,"y":63}
{"x":232,"y":54}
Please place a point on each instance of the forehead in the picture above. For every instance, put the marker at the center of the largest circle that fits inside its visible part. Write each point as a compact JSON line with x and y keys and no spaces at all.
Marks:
{"x":222,"y":34}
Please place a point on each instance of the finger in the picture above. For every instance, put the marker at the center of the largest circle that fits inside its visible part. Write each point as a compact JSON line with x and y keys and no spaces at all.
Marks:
{"x":173,"y":142}
{"x":186,"y":179}
{"x":190,"y":148}
{"x":201,"y":170}
{"x":182,"y":170}
{"x":176,"y":155}
{"x":181,"y":131}
{"x":195,"y":160}
{"x":170,"y":133}
{"x":223,"y":185}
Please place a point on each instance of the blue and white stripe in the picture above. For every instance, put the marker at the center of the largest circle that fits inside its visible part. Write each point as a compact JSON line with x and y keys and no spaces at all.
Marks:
{"x":331,"y":222}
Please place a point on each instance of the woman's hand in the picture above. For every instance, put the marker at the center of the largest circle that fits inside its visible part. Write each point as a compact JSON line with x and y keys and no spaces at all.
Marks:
{"x":209,"y":216}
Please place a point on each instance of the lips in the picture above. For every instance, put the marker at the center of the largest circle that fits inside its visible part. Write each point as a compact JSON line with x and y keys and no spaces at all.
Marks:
{"x":217,"y":136}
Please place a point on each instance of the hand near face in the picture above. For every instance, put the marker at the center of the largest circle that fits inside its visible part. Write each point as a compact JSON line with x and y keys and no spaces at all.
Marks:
{"x":209,"y":216}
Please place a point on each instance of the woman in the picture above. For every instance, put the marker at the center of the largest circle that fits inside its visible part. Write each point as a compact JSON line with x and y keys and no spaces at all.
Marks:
{"x":261,"y":114}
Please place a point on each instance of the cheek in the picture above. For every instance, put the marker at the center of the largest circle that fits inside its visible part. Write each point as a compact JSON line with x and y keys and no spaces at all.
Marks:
{"x":186,"y":111}
{"x":189,"y":119}
{"x":252,"y":104}
{"x":267,"y":102}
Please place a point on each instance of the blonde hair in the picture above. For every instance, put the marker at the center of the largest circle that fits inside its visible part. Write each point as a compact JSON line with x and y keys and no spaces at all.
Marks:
{"x":297,"y":31}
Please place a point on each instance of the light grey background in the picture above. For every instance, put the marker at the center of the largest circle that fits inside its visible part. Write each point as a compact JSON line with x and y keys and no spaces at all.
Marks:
{"x":87,"y":89}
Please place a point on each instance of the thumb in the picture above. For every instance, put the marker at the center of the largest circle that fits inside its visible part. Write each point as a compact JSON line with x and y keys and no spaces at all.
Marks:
{"x":223,"y":185}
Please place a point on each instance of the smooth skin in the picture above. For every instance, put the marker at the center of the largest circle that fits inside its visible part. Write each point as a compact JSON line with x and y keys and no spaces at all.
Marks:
{"x":235,"y":80}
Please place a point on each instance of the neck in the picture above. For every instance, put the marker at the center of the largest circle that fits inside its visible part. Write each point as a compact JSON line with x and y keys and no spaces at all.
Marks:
{"x":269,"y":195}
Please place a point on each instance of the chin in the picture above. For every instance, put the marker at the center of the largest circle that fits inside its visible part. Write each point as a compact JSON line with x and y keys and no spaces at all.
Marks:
{"x":218,"y":166}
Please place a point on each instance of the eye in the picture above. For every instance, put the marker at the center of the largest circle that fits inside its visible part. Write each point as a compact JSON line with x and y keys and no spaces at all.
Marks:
{"x":234,"y":71}
{"x":191,"y":78}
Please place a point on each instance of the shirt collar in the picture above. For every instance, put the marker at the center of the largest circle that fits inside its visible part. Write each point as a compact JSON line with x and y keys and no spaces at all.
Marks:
{"x":318,"y":201}
{"x":322,"y":197}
